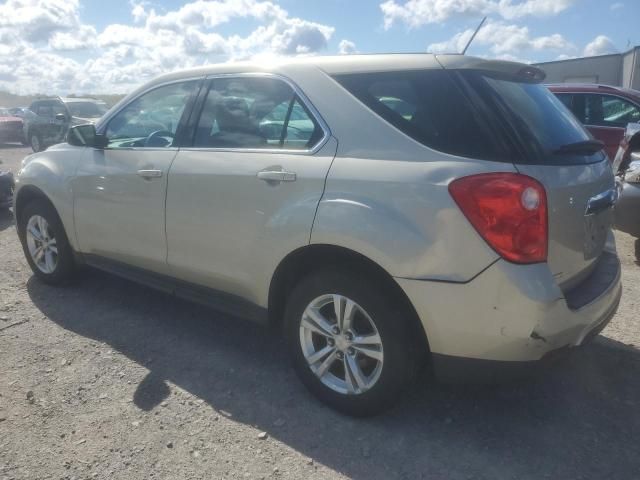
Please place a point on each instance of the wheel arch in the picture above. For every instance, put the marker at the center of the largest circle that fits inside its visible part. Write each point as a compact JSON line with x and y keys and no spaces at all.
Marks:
{"x":26,"y":195}
{"x":309,"y":258}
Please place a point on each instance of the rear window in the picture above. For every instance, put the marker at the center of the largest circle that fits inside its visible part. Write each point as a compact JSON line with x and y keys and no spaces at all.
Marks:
{"x":539,"y":122}
{"x":473,"y":114}
{"x":429,"y":107}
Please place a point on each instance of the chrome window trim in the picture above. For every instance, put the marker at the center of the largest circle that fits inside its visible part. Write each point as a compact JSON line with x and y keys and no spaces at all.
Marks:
{"x":326,"y":132}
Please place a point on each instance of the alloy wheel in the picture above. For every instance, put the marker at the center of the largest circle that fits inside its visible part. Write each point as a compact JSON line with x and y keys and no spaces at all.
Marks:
{"x":42,"y":244}
{"x":341,"y":344}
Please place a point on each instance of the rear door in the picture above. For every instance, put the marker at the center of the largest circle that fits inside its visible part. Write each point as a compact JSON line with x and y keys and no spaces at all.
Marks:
{"x":245,"y":192}
{"x":579,"y":181}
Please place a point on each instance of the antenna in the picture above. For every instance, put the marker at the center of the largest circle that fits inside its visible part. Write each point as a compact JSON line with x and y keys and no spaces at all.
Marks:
{"x":474,"y":35}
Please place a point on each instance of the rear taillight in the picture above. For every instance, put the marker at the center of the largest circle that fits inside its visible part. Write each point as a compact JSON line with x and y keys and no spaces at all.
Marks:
{"x":508,"y":210}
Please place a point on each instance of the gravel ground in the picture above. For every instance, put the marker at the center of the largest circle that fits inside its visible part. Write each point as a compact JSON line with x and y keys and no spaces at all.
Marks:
{"x":108,"y":379}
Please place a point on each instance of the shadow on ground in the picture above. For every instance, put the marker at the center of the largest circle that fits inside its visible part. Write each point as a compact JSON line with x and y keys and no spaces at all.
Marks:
{"x":6,"y":219}
{"x":580,"y":420}
{"x":6,"y":146}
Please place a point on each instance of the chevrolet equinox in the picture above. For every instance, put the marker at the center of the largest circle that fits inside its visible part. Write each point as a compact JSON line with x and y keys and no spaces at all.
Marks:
{"x":382,"y":210}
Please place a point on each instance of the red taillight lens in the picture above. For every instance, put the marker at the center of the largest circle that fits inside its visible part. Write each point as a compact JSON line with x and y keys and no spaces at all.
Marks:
{"x":508,"y":210}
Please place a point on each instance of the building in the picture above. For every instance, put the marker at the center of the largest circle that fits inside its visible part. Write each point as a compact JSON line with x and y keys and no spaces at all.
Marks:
{"x":617,"y":69}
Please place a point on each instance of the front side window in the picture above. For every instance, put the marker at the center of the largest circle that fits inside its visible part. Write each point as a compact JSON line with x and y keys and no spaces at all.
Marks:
{"x":49,"y":109}
{"x":152,"y":119}
{"x":610,"y":111}
{"x":255,"y":113}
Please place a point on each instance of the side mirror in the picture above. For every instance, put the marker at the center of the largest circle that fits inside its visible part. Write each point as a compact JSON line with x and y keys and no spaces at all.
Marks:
{"x":61,"y":117}
{"x":86,"y":136}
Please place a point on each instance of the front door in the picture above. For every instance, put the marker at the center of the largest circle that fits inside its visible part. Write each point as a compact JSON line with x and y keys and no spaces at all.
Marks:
{"x":119,"y":191}
{"x":246,"y":192}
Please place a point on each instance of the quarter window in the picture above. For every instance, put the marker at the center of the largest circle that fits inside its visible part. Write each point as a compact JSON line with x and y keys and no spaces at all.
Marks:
{"x":255,"y":113}
{"x":152,"y":119}
{"x":429,"y":107}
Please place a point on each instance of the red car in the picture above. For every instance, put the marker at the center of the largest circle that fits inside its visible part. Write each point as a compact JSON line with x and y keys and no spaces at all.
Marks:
{"x":10,"y":127}
{"x":605,"y":111}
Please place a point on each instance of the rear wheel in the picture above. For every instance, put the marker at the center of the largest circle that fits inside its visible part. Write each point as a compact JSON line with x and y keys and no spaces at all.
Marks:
{"x":349,"y":342}
{"x":45,"y":243}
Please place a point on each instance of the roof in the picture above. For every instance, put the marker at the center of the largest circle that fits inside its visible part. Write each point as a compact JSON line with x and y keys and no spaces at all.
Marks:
{"x":338,"y":64}
{"x":593,"y":88}
{"x":79,"y":99}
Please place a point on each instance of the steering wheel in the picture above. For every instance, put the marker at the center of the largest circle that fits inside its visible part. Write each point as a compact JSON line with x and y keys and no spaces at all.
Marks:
{"x":154,"y":138}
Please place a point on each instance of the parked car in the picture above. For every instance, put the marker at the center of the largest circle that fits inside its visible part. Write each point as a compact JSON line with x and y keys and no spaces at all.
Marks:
{"x":10,"y":127}
{"x":603,"y":109}
{"x":54,"y":116}
{"x":472,"y":229}
{"x":626,"y":165}
{"x":6,"y":190}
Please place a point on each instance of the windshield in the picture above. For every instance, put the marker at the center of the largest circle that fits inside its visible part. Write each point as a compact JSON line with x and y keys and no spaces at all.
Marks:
{"x":87,"y":109}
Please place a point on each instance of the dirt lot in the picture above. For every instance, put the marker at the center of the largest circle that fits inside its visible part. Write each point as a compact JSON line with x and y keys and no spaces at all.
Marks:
{"x":108,"y":379}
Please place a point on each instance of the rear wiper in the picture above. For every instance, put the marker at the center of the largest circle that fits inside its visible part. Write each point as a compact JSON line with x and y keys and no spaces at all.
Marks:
{"x":585,"y":147}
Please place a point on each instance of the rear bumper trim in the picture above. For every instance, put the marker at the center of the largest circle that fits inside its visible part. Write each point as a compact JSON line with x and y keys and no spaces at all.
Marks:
{"x":601,"y":278}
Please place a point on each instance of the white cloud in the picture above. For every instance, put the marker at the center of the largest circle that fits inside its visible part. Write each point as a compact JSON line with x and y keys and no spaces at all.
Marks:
{"x":38,"y":20}
{"x":600,"y":45}
{"x":37,"y":36}
{"x":504,"y":41}
{"x":347,"y":47}
{"x":415,"y":13}
{"x":81,"y":38}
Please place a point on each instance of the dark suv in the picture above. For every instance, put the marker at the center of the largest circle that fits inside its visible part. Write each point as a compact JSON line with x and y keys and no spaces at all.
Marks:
{"x":54,"y":116}
{"x":604,"y":110}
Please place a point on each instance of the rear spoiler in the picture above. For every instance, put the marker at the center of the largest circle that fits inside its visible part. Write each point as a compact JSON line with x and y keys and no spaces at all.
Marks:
{"x":515,"y":71}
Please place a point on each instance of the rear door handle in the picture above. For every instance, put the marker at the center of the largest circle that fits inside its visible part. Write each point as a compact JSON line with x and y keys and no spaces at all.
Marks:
{"x":150,"y":173}
{"x":277,"y":176}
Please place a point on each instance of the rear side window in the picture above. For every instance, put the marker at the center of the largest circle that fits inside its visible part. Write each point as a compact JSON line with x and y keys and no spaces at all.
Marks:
{"x":255,"y":113}
{"x":428,"y":106}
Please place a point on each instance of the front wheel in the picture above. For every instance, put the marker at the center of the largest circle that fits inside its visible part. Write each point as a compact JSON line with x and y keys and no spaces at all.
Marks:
{"x":349,"y":342}
{"x":36,"y":142}
{"x":45,"y":243}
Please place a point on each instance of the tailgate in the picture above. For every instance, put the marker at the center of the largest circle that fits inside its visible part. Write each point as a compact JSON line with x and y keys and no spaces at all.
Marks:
{"x":580,"y":200}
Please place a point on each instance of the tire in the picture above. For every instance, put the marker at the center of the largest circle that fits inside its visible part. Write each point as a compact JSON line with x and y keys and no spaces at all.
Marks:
{"x":384,"y":380}
{"x":36,"y":142}
{"x":56,"y":268}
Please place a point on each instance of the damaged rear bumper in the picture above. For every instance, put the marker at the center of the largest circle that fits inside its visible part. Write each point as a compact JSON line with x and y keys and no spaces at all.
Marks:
{"x":511,"y":317}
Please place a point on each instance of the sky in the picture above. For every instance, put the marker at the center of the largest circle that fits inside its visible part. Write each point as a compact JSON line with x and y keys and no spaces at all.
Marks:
{"x":113,"y":46}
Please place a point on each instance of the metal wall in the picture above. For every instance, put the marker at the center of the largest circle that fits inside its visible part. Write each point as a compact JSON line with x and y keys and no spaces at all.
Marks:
{"x":605,"y":69}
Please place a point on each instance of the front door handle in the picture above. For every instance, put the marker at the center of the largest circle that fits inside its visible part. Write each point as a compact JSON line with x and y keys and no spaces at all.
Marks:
{"x":150,"y":173}
{"x":277,"y":176}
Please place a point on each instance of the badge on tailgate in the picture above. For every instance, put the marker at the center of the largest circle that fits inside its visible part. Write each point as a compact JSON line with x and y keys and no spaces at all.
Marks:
{"x":597,"y":221}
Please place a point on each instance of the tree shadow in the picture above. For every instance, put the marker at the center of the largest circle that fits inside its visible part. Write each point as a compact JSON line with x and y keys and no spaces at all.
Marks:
{"x":578,"y":420}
